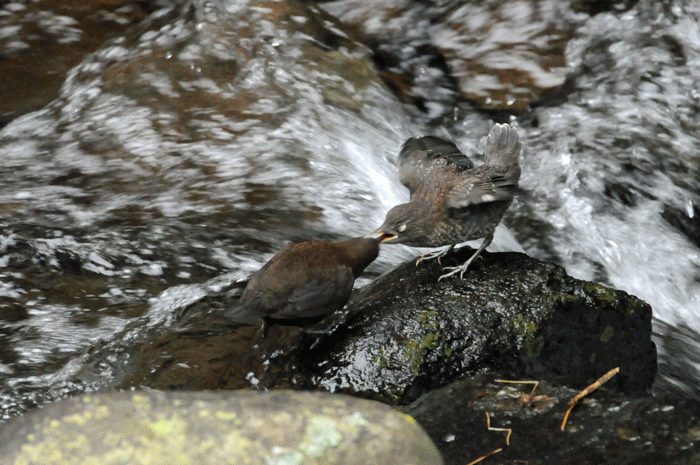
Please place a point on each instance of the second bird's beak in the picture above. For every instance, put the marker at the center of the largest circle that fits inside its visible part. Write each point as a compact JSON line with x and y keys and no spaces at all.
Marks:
{"x":387,"y":237}
{"x":382,"y":236}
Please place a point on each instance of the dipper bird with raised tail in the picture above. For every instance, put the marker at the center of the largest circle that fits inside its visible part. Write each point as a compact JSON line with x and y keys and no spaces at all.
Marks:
{"x":451,"y":200}
{"x":304,"y":282}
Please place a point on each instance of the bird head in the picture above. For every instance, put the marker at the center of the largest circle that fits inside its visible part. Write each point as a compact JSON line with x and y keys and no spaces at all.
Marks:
{"x":402,"y":225}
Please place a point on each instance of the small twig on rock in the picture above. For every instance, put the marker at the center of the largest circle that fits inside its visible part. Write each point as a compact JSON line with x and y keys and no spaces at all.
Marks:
{"x":495,"y":451}
{"x":488,"y":425}
{"x":490,"y":428}
{"x":526,"y":398}
{"x":587,"y":391}
{"x":536,"y":383}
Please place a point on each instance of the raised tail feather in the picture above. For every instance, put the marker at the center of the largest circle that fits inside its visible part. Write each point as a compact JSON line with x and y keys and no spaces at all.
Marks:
{"x":503,"y":146}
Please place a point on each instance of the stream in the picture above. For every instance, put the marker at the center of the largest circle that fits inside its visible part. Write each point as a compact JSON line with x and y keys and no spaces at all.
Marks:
{"x":192,"y":146}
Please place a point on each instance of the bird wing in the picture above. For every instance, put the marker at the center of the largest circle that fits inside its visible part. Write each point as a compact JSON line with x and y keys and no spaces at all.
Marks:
{"x":421,"y":157}
{"x":319,"y":297}
{"x":484,"y":184}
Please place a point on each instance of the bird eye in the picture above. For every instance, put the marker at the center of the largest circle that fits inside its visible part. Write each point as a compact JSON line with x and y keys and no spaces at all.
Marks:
{"x":401,"y":228}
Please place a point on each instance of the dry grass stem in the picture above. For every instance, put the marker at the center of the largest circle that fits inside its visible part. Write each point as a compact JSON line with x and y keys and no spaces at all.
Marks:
{"x":490,"y":428}
{"x":495,"y":451}
{"x":587,"y":391}
{"x":527,"y":399}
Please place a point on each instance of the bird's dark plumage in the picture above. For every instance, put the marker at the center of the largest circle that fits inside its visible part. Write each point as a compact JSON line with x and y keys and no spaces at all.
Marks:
{"x":305,"y":282}
{"x":451,"y":200}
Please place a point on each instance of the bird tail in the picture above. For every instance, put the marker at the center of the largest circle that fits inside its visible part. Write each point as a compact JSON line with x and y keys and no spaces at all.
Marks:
{"x":241,"y":314}
{"x":503,"y":147}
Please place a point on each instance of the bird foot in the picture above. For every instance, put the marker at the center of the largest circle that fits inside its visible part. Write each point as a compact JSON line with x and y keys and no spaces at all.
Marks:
{"x":433,"y":255}
{"x":459,"y":269}
{"x":455,"y":270}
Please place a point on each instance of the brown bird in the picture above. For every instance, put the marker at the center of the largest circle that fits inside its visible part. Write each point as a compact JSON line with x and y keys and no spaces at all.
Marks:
{"x":304,"y":282}
{"x":451,"y":200}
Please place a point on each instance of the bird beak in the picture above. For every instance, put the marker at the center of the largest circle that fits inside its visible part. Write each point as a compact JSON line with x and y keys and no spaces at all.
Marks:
{"x":381,"y":236}
{"x":387,"y":237}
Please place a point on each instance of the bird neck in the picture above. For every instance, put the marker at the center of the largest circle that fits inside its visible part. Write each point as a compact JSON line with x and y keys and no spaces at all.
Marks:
{"x":359,"y":252}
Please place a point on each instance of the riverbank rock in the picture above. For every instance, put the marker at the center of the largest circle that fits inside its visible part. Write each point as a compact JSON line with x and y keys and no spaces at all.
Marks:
{"x":280,"y":427}
{"x":604,"y":427}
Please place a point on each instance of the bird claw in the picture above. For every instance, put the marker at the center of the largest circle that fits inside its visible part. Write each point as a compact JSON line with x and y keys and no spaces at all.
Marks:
{"x":455,"y":269}
{"x":432,"y":255}
{"x":460,"y":269}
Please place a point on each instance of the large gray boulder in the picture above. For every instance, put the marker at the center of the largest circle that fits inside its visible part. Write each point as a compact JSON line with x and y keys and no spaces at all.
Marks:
{"x":151,"y":427}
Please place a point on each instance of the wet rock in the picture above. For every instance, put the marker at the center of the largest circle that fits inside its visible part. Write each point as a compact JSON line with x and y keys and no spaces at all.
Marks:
{"x":406,"y":334}
{"x":593,"y":7}
{"x":603,"y":428}
{"x":505,"y":55}
{"x":213,"y":428}
{"x":678,"y":360}
{"x":687,"y":222}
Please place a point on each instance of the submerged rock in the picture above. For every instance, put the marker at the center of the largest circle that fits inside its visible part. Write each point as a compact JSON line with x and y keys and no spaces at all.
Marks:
{"x":498,"y":55}
{"x":280,"y":427}
{"x":41,"y":41}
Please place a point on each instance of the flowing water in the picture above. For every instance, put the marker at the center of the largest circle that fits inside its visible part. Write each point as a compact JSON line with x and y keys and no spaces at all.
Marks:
{"x":617,"y":174}
{"x":206,"y":141}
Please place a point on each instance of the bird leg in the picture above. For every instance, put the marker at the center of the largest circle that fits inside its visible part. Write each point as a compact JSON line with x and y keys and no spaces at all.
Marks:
{"x":432,"y":255}
{"x":264,"y":327}
{"x":462,"y":268}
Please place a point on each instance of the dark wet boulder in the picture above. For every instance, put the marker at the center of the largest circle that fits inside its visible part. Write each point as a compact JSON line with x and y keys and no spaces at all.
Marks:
{"x":406,"y":334}
{"x":213,"y":428}
{"x":605,"y":427}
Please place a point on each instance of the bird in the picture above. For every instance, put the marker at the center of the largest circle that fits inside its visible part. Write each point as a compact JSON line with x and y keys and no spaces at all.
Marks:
{"x":451,"y":200}
{"x":304,"y":282}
